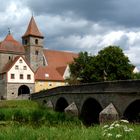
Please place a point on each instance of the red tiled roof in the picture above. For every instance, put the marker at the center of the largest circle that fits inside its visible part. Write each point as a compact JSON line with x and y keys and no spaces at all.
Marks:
{"x":48,"y":73}
{"x":9,"y":44}
{"x":59,"y":58}
{"x":32,"y":29}
{"x":57,"y":62}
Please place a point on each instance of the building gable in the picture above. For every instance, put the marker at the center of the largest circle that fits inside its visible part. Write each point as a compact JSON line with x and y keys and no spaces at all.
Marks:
{"x":20,"y":72}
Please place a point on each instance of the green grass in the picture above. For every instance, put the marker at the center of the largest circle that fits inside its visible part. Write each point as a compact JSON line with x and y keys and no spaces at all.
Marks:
{"x":26,"y":120}
{"x":30,"y":112}
{"x":11,"y":131}
{"x":22,"y":104}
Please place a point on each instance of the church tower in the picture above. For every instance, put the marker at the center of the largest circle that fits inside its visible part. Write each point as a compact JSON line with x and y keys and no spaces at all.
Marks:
{"x":33,"y":44}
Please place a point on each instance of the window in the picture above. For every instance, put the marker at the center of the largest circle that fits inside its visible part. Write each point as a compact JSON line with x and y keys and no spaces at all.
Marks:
{"x":36,"y":41}
{"x":50,"y":84}
{"x":12,"y":76}
{"x":20,"y":61}
{"x":1,"y":76}
{"x":24,"y":67}
{"x":21,"y":76}
{"x":28,"y":76}
{"x":36,"y":52}
{"x":16,"y":67}
{"x":25,"y":41}
{"x":44,"y":63}
{"x":9,"y":58}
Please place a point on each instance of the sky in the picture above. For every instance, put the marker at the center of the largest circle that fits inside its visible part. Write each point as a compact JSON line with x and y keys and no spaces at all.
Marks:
{"x":77,"y":25}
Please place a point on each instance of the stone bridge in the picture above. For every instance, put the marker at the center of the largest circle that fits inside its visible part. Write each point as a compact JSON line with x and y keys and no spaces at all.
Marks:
{"x":91,"y":99}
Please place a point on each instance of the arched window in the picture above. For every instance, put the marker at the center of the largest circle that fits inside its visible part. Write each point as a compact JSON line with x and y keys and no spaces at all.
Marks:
{"x":36,"y":41}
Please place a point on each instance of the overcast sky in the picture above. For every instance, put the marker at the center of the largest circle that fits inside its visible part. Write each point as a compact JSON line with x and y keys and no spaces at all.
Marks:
{"x":77,"y":25}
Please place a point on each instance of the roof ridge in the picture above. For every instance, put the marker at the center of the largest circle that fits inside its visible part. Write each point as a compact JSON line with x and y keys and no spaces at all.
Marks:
{"x":62,"y":51}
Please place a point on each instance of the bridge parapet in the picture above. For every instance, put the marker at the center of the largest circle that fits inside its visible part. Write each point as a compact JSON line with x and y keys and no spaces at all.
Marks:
{"x":123,"y":87}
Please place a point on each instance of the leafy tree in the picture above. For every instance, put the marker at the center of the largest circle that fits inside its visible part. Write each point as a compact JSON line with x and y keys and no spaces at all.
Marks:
{"x":113,"y":64}
{"x":109,"y":64}
{"x":82,"y":69}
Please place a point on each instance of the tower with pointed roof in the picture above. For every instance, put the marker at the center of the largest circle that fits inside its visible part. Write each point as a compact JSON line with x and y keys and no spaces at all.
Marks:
{"x":33,"y":44}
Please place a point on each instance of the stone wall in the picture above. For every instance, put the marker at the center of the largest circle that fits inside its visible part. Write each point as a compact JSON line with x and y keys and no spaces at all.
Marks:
{"x":2,"y":89}
{"x":12,"y":90}
{"x":34,"y":52}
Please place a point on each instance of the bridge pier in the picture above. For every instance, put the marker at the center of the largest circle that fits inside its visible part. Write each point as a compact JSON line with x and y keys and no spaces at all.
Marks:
{"x":72,"y":110}
{"x":109,"y":114}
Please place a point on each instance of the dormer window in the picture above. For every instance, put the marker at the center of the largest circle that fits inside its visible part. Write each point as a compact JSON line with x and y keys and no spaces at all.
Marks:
{"x":36,"y":41}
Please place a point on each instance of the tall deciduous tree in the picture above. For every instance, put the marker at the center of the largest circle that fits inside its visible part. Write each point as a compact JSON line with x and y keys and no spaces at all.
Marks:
{"x":113,"y":64}
{"x":109,"y":64}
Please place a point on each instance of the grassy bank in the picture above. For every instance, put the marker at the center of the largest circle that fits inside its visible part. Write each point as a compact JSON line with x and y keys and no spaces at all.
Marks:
{"x":26,"y":120}
{"x":28,"y":112}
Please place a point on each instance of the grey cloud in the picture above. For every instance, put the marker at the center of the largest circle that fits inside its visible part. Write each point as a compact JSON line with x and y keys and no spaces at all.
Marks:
{"x":123,"y":12}
{"x":123,"y":42}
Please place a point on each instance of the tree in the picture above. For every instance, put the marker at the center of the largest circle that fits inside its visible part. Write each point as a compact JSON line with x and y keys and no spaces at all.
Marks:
{"x":113,"y":64}
{"x":136,"y":75}
{"x":82,"y":69}
{"x":109,"y":64}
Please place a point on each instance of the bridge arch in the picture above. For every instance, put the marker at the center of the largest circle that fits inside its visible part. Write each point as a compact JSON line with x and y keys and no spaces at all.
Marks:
{"x":90,"y":111}
{"x":61,"y":104}
{"x":132,"y":112}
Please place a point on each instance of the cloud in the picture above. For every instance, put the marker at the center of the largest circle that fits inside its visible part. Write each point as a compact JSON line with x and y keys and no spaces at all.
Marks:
{"x":78,"y":25}
{"x":119,"y":12}
{"x":13,"y":16}
{"x":128,"y":41}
